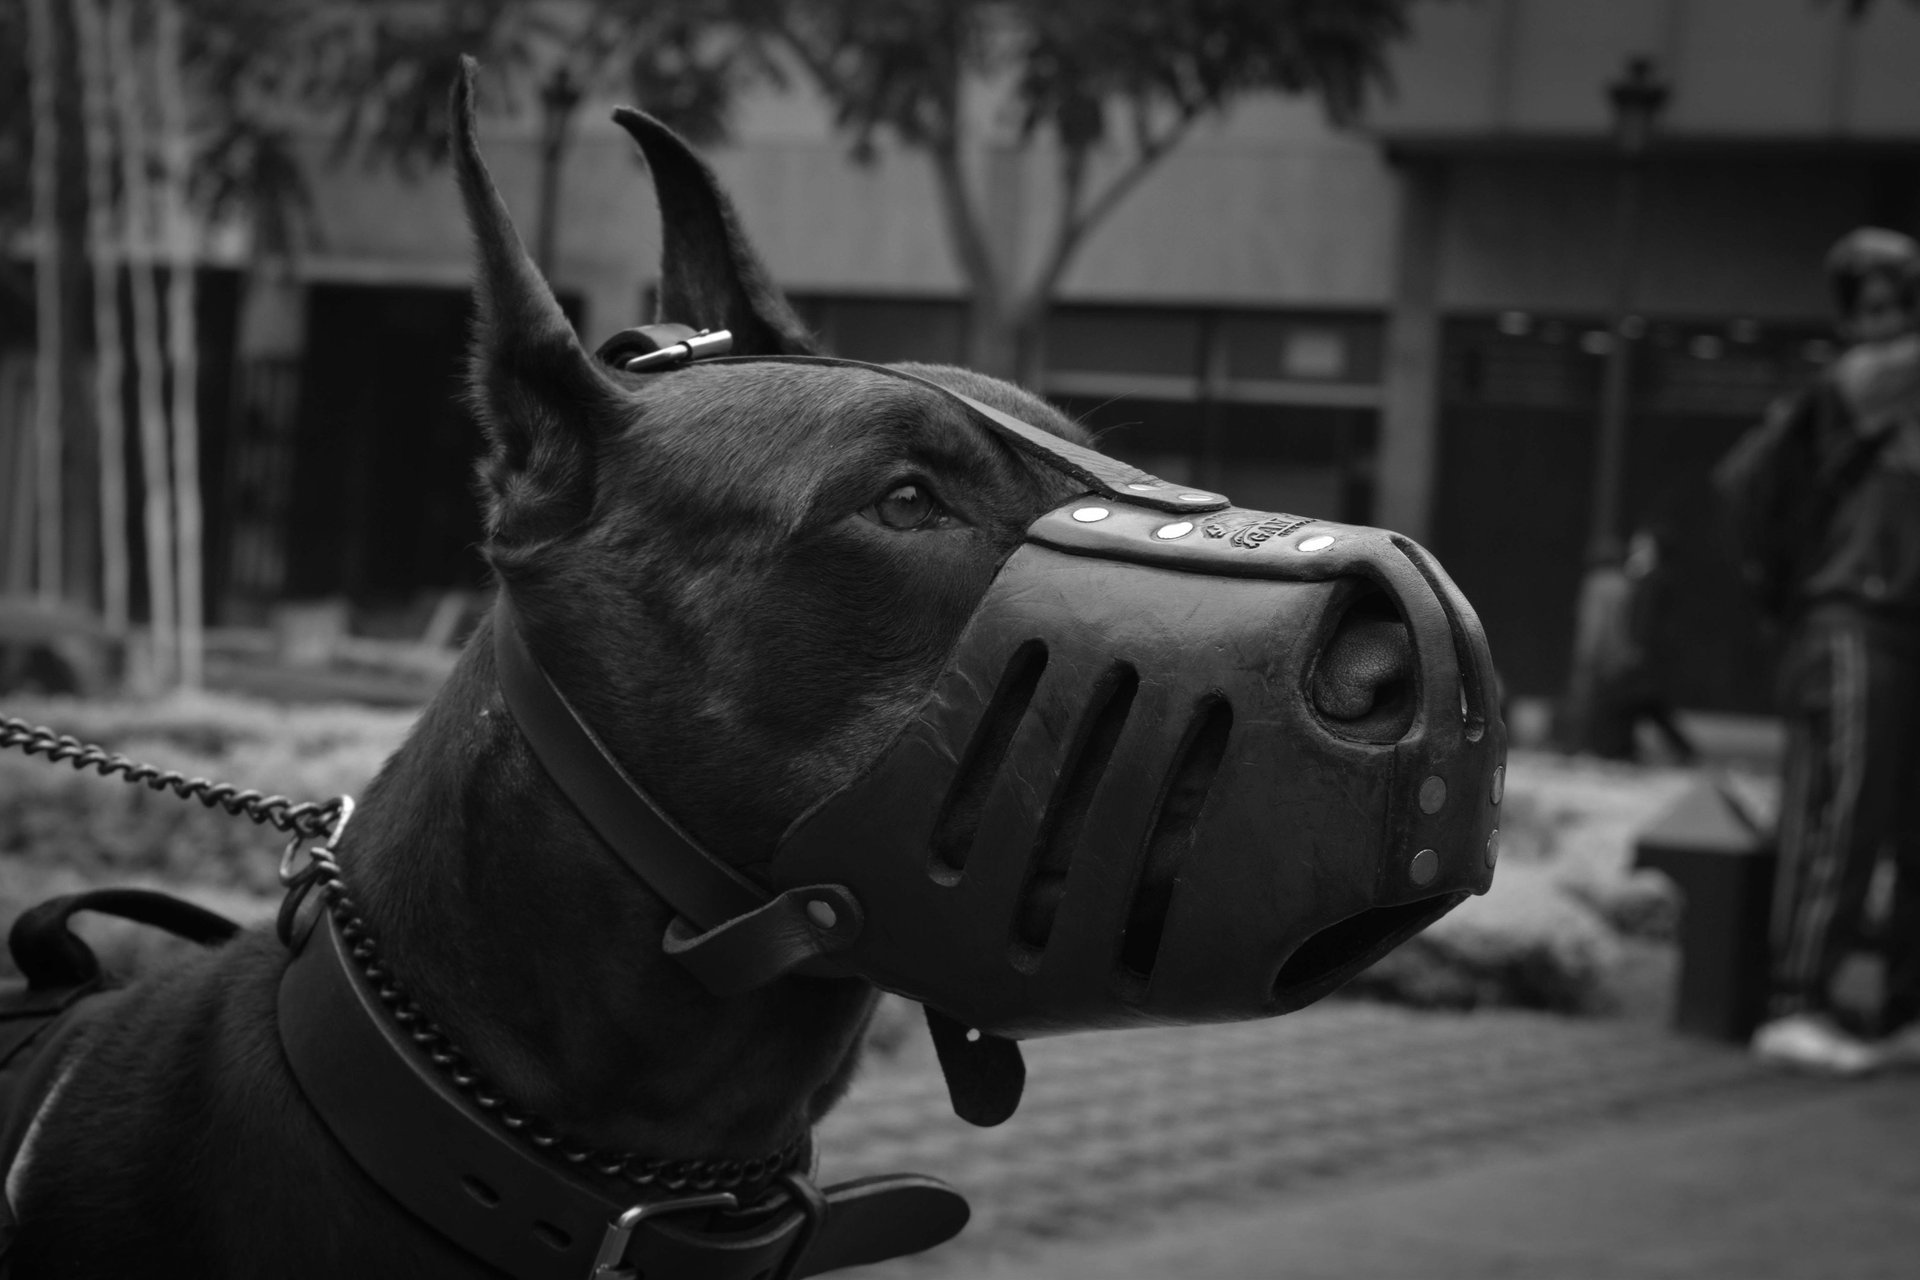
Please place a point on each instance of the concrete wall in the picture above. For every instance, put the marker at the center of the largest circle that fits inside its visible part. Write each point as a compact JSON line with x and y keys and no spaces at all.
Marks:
{"x":1722,"y":236}
{"x":1269,"y":207}
{"x":1273,"y":208}
{"x":1780,"y":69}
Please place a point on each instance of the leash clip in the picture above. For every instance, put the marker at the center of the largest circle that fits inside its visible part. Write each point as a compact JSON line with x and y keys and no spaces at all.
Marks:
{"x":299,"y":882}
{"x":288,"y":873}
{"x":653,"y":347}
{"x":611,"y":1262}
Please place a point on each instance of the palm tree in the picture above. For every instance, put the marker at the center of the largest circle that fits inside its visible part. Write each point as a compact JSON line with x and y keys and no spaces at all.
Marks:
{"x":138,"y":226}
{"x":109,"y":365}
{"x":51,"y":356}
{"x":1104,"y":89}
{"x":183,"y":355}
{"x":391,"y":81}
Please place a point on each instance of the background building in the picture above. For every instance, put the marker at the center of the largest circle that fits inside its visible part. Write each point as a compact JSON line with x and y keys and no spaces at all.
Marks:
{"x":1404,"y":323}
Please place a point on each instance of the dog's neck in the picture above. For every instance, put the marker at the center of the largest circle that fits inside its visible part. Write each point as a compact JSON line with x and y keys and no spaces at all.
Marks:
{"x":540,"y":954}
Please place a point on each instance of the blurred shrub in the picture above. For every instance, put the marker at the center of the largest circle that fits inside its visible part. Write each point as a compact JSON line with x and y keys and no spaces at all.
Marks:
{"x":63,"y":830}
{"x":1638,"y":904}
{"x":1567,"y":921}
{"x":1549,"y":936}
{"x":101,"y":829}
{"x":1525,"y":944}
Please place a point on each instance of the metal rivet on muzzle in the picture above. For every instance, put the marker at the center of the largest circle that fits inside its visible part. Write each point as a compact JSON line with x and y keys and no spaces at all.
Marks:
{"x":1499,"y":788}
{"x":1318,"y":542}
{"x":822,"y":914}
{"x":1200,"y":497}
{"x":1144,"y":488}
{"x":1493,"y":847}
{"x":1424,"y":867}
{"x":1433,"y":794}
{"x":1087,"y":515}
{"x":1178,"y":529}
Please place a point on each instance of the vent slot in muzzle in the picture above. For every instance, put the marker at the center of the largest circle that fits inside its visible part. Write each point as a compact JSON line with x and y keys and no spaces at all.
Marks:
{"x":959,"y":823}
{"x":1341,"y":950}
{"x":1176,"y":821}
{"x":1066,"y":815}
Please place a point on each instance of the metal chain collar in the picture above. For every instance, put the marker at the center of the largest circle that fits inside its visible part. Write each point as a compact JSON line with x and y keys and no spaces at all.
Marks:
{"x":314,"y":820}
{"x":323,"y":873}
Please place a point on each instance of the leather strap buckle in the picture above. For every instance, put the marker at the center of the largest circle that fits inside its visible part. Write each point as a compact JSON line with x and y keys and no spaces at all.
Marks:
{"x":611,"y":1262}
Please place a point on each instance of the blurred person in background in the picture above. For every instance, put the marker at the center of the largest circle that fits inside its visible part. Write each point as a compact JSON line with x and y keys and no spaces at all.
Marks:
{"x":1616,"y":649}
{"x":1824,"y":497}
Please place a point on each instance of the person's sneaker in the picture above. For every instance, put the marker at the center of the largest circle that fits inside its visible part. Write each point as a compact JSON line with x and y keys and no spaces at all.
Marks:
{"x":1811,"y":1042}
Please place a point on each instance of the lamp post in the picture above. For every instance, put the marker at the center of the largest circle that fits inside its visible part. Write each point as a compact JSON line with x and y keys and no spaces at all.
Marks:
{"x":1637,"y":98}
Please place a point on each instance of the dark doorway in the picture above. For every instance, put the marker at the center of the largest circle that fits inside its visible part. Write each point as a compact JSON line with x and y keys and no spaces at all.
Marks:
{"x":1515,"y":484}
{"x":384,"y":504}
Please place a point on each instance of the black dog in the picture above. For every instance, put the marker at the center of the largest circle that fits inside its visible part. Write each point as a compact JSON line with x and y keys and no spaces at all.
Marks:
{"x":757,"y":571}
{"x":751,"y":576}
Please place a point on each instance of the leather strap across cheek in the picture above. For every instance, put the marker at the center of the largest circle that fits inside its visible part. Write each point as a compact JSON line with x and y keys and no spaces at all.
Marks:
{"x":694,"y":883}
{"x":797,"y":932}
{"x":731,"y":934}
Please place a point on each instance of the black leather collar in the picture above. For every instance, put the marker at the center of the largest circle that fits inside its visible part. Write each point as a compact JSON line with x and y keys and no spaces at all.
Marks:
{"x":433,"y":1150}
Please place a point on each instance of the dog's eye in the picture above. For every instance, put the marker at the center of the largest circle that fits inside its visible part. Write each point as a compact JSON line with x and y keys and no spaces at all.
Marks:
{"x":906,"y":507}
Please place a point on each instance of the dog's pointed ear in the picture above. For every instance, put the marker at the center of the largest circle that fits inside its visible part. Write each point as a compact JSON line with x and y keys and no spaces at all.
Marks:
{"x":541,"y":398}
{"x":710,"y":277}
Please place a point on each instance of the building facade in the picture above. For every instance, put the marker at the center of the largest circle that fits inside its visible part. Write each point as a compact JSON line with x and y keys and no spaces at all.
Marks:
{"x":1404,"y":323}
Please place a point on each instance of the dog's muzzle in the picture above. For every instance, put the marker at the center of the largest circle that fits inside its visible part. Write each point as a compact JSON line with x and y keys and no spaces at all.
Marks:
{"x":1186,"y":763}
{"x":1179,"y":769}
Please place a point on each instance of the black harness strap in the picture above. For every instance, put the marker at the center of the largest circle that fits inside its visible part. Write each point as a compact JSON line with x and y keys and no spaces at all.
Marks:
{"x":42,"y":1040}
{"x":432,"y":1149}
{"x":47,"y":1014}
{"x":696,"y":884}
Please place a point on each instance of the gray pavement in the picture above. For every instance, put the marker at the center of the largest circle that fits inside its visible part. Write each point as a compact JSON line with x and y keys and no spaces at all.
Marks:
{"x":1356,"y":1140}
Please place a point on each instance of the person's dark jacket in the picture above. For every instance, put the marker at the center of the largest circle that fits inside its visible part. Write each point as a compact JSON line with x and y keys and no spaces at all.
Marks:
{"x":1824,"y":494}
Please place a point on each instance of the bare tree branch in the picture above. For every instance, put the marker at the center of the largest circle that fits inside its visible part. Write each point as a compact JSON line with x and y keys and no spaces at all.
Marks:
{"x":1078,"y":221}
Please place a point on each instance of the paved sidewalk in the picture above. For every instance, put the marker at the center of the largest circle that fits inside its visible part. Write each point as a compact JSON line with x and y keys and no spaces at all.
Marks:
{"x":1808,"y":1188}
{"x":1357,"y":1140}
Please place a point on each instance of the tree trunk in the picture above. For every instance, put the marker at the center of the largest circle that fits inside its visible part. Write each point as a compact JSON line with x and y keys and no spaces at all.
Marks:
{"x":141,"y":269}
{"x":45,"y":63}
{"x":1009,"y":343}
{"x":991,"y":345}
{"x":1028,"y":333}
{"x":182,"y":347}
{"x":80,"y":465}
{"x":109,"y":366}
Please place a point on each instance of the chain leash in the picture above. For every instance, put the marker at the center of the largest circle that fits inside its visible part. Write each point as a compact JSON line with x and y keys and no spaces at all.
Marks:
{"x":302,"y":821}
{"x":325,"y":821}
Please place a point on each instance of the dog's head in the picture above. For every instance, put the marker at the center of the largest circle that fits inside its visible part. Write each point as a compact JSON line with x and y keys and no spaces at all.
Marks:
{"x":780,"y":588}
{"x":749,"y":575}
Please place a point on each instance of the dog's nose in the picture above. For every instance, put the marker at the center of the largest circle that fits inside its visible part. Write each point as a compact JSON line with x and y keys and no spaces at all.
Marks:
{"x":1363,"y":680}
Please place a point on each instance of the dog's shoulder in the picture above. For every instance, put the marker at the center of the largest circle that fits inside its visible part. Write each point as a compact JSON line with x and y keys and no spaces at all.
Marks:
{"x":189,"y":1077}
